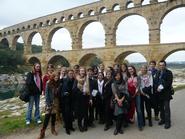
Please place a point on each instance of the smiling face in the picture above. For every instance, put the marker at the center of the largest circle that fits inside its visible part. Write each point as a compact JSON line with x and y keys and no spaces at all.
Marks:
{"x":131,"y":70}
{"x":82,"y":72}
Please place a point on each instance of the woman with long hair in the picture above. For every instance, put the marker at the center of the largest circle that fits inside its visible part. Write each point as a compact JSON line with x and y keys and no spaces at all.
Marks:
{"x":135,"y":99}
{"x":121,"y":97}
{"x":51,"y":97}
{"x":82,"y":93}
{"x":34,"y":85}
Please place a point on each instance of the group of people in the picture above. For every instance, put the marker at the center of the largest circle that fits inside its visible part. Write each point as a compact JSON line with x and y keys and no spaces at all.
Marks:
{"x":108,"y":95}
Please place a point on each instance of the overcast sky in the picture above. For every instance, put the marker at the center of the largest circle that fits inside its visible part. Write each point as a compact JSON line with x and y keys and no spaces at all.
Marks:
{"x":16,"y":11}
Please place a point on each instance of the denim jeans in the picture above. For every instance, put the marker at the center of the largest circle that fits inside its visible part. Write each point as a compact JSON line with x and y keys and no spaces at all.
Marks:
{"x":33,"y":99}
{"x":139,"y":112}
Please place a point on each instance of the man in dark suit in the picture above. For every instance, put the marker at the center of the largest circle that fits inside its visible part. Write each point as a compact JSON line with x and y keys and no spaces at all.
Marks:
{"x":92,"y":87}
{"x":165,"y":79}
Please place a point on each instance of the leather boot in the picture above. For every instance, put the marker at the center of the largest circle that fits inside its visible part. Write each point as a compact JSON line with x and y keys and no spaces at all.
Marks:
{"x":53,"y":131}
{"x":42,"y":134}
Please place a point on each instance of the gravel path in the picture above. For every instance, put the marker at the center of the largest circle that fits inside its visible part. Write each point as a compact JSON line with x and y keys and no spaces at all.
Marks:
{"x":177,"y":131}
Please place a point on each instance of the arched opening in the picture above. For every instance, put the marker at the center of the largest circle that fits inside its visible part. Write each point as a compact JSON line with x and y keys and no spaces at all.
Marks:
{"x":71,"y":17}
{"x":18,"y":43}
{"x":116,"y":7}
{"x":48,"y":22}
{"x":90,"y":60}
{"x":41,"y":24}
{"x":173,"y":26}
{"x":92,"y":38}
{"x":91,"y":13}
{"x":176,"y":63}
{"x":62,"y":19}
{"x":35,"y":41}
{"x":103,"y":10}
{"x":129,"y":4}
{"x":60,"y":39}
{"x":145,"y":2}
{"x":4,"y":44}
{"x":59,"y":60}
{"x":55,"y":21}
{"x":129,"y":33}
{"x":131,"y":57}
{"x":80,"y":15}
{"x":33,"y":60}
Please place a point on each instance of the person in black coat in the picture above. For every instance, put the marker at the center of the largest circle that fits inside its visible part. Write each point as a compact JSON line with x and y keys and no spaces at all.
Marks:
{"x":93,"y":87}
{"x":165,"y":79}
{"x":107,"y":95}
{"x":82,"y":101}
{"x":99,"y":98}
{"x":66,"y":98}
{"x":34,"y":85}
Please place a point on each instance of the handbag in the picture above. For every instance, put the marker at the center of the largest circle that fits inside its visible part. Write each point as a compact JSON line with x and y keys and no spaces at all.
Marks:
{"x":24,"y":94}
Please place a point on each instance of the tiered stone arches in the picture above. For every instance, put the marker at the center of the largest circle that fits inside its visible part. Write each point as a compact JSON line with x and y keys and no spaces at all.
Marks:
{"x":77,"y":19}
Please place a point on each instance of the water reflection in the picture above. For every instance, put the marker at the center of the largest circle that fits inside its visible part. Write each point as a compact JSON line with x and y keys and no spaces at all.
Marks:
{"x":10,"y":85}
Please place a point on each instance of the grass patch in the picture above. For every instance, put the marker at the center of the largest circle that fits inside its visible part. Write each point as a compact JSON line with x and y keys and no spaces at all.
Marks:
{"x":12,"y":125}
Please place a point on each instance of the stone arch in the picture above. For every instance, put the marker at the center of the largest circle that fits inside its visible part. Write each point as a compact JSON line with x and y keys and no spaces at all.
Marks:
{"x":170,"y":28}
{"x":15,"y":41}
{"x":144,"y":40}
{"x":34,"y":26}
{"x":129,"y":4}
{"x":33,"y":60}
{"x":59,"y":60}
{"x":62,"y":19}
{"x":90,"y":59}
{"x":48,"y":22}
{"x":91,"y":12}
{"x":41,"y":24}
{"x":5,"y":43}
{"x":171,"y":52}
{"x":55,"y":21}
{"x":116,"y":7}
{"x":121,"y":57}
{"x":83,"y":27}
{"x":168,"y":10}
{"x":71,"y":17}
{"x":102,"y":10}
{"x":80,"y":15}
{"x":30,"y":38}
{"x":53,"y":31}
